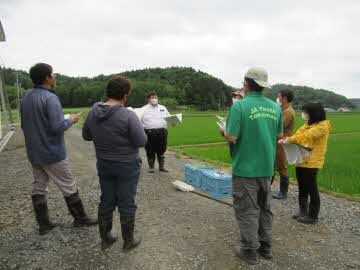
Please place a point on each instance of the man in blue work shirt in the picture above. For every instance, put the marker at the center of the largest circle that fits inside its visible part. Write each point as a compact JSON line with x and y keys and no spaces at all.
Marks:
{"x":43,"y":124}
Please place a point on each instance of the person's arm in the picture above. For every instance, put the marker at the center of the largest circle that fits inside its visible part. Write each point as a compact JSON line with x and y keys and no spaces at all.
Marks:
{"x":233,"y":124}
{"x":86,"y":132}
{"x":55,"y":113}
{"x":167,"y":114}
{"x":280,"y":128}
{"x":136,"y":131}
{"x":308,"y":135}
{"x":287,"y":119}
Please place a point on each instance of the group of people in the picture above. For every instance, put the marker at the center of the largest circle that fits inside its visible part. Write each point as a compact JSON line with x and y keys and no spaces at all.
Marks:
{"x":117,"y":134}
{"x":256,"y":128}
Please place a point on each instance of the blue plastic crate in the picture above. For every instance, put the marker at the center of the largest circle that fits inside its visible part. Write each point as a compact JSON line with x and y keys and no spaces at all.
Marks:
{"x":193,"y":174}
{"x":216,"y":183}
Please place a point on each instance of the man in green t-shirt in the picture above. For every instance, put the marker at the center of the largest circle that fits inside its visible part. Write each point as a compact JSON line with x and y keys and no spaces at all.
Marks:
{"x":253,"y":125}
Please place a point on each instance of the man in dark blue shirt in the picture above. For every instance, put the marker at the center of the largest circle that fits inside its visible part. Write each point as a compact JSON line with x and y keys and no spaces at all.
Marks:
{"x":43,"y":124}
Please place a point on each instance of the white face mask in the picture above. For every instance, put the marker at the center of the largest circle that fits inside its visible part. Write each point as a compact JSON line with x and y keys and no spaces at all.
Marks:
{"x":278,"y":102}
{"x":154,"y":101}
{"x":303,"y":116}
{"x":234,"y":100}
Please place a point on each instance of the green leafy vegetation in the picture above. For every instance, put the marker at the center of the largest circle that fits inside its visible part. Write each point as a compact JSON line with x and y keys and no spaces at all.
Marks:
{"x":202,"y":128}
{"x":341,"y":172}
{"x":176,"y":86}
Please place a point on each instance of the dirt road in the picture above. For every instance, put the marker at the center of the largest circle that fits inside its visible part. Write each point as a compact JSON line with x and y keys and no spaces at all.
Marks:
{"x":180,"y":230}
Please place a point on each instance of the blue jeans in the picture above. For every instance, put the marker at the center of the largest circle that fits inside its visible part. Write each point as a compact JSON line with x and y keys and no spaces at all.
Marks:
{"x":118,"y":184}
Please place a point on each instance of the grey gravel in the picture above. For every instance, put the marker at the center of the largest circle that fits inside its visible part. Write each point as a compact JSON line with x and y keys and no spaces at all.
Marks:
{"x":180,"y":230}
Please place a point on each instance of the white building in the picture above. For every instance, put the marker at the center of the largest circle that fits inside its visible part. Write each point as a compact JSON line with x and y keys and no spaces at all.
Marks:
{"x":344,"y":110}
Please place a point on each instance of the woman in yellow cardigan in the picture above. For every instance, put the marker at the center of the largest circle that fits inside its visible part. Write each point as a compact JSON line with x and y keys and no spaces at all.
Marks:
{"x":313,"y":134}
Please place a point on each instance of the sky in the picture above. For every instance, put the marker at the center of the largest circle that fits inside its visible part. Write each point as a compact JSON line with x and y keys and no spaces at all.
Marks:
{"x":313,"y":43}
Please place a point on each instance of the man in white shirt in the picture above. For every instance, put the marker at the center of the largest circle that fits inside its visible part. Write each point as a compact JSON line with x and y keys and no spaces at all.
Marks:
{"x":155,"y":128}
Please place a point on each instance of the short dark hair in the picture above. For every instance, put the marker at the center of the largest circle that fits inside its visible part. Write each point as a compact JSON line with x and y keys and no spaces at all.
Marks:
{"x":150,"y":94}
{"x":39,"y":72}
{"x":288,"y":94}
{"x":253,"y":85}
{"x":118,"y":87}
{"x":316,"y":112}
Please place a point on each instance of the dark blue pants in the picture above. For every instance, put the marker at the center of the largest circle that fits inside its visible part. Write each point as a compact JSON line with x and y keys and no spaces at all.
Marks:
{"x":118,"y":183}
{"x":232,"y":148}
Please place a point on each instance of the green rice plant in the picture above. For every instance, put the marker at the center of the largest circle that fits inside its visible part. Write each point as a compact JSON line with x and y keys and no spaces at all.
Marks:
{"x":202,"y":128}
{"x":341,"y":173}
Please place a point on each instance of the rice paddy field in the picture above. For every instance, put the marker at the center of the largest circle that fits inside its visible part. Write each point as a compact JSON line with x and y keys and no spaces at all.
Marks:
{"x":341,"y":173}
{"x":201,"y":128}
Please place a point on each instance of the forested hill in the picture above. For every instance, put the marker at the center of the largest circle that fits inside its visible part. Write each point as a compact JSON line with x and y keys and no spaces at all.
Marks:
{"x":356,"y":102}
{"x":175,"y":86}
{"x":304,"y":94}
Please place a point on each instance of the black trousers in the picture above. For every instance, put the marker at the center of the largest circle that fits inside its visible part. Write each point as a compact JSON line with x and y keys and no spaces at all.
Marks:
{"x":306,"y":178}
{"x":118,"y":184}
{"x":157,"y":142}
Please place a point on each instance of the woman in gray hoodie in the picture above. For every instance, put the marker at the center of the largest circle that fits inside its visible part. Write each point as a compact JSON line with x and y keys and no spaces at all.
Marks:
{"x":117,"y":135}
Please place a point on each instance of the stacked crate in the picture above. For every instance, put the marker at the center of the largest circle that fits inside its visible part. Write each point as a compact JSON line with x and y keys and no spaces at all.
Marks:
{"x":218,"y":184}
{"x":193,"y":174}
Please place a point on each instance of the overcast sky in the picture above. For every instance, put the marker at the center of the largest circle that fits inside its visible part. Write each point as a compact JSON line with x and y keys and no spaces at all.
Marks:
{"x":314,"y":43}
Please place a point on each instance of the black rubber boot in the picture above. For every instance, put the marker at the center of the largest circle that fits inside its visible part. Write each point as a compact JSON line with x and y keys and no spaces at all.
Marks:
{"x":105,"y":226}
{"x":265,"y":250}
{"x":151,"y":162}
{"x":303,"y":209}
{"x":308,"y":220}
{"x":284,"y":186}
{"x":42,"y":214}
{"x":311,"y":217}
{"x":76,"y":209}
{"x":248,"y":256}
{"x":161,"y":160}
{"x":127,"y":230}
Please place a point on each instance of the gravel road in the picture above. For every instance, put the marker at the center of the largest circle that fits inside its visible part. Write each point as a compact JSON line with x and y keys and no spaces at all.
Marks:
{"x":180,"y":230}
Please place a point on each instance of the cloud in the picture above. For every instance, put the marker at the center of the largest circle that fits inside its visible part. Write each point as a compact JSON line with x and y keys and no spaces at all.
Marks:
{"x":311,"y":43}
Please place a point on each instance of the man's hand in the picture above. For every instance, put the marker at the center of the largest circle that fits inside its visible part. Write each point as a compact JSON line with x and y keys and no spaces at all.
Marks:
{"x":222,"y":132}
{"x":230,"y":138}
{"x":284,"y":141}
{"x":75,"y":117}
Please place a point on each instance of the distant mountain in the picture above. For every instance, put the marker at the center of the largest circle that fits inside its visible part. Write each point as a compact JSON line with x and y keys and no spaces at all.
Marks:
{"x":356,"y":102}
{"x":174,"y":85}
{"x":304,"y":94}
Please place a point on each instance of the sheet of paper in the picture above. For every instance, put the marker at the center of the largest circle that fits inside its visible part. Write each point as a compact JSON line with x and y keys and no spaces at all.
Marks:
{"x":221,"y":125}
{"x":66,"y":116}
{"x":173,"y":120}
{"x":139,"y":111}
{"x":295,"y":154}
{"x":221,"y":122}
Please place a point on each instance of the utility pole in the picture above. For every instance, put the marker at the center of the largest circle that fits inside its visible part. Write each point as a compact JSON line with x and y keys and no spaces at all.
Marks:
{"x":18,"y":96}
{"x":3,"y":104}
{"x":0,"y":124}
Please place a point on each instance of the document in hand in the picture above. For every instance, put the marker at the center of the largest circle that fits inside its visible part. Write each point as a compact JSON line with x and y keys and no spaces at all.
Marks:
{"x":139,"y":111}
{"x":295,"y":153}
{"x":221,"y":122}
{"x":173,"y":120}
